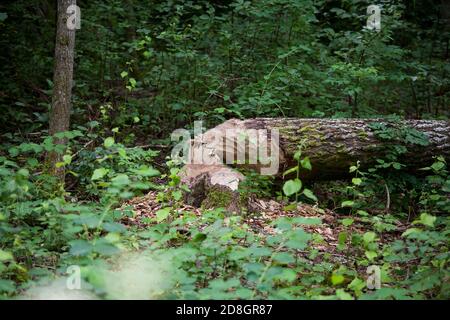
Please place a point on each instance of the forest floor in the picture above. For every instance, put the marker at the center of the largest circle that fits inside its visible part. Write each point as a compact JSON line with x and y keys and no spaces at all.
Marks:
{"x":261,"y":223}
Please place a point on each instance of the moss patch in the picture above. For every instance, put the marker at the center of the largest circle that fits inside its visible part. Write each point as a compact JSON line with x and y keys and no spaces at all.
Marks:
{"x":222,"y":197}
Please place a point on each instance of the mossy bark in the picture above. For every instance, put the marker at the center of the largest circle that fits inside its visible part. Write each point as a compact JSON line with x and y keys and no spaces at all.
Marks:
{"x":333,"y":145}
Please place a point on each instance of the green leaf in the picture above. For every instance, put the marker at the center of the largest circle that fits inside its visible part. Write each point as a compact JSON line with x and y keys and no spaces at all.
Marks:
{"x":438,"y":165}
{"x":306,"y":163}
{"x":397,"y":165}
{"x":123,"y":74}
{"x":67,"y":159}
{"x":356,"y":181}
{"x":357,"y":285}
{"x":426,"y":219}
{"x":347,"y":222}
{"x":121,"y":180}
{"x":177,"y":195}
{"x":99,"y":173}
{"x":132,"y":82}
{"x":3,"y":16}
{"x":309,"y":194}
{"x":369,"y":237}
{"x":342,"y":295}
{"x":347,"y":203}
{"x":162,"y":214}
{"x":286,"y":274}
{"x":283,"y":258}
{"x":307,"y":221}
{"x":337,"y":279}
{"x":80,"y":247}
{"x":342,"y":239}
{"x":104,"y":247}
{"x":362,"y":213}
{"x":259,"y":251}
{"x":411,"y":231}
{"x":371,"y":255}
{"x":292,"y":186}
{"x":5,"y":256}
{"x":147,"y":171}
{"x":113,"y":227}
{"x":298,"y":239}
{"x":7,"y":286}
{"x":109,"y":142}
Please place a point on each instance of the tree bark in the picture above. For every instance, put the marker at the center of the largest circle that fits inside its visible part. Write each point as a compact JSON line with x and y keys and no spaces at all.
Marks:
{"x":62,"y":83}
{"x":333,"y":145}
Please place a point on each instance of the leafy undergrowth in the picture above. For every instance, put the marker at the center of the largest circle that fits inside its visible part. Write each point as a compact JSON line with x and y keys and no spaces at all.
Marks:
{"x":117,"y":244}
{"x":287,"y":252}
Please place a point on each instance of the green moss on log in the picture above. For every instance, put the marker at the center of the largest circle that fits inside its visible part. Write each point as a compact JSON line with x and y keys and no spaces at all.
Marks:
{"x":223,"y":197}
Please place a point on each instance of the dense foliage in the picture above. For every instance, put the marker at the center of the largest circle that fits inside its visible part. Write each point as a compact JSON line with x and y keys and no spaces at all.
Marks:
{"x":144,"y":68}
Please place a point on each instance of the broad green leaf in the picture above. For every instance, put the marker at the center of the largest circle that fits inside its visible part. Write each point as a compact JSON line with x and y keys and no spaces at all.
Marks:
{"x":347,"y":203}
{"x":177,"y":195}
{"x":162,"y":214}
{"x":283,"y":258}
{"x":306,"y":163}
{"x":80,"y":247}
{"x":371,"y":255}
{"x":7,"y":285}
{"x":3,"y":16}
{"x":67,"y":159}
{"x":369,"y":237}
{"x":109,"y":142}
{"x":411,"y":231}
{"x":342,"y":238}
{"x":337,"y":279}
{"x":357,"y":285}
{"x":5,"y":256}
{"x":307,"y":221}
{"x":147,"y":171}
{"x":283,"y":274}
{"x":426,"y":219}
{"x":99,"y":173}
{"x":309,"y":194}
{"x":292,"y":186}
{"x":121,"y":180}
{"x":438,"y":165}
{"x":347,"y":222}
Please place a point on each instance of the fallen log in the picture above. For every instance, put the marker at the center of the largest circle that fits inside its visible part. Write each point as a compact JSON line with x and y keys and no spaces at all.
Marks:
{"x":333,"y":145}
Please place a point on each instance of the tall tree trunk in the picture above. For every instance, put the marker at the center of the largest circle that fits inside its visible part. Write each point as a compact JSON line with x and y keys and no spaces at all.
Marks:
{"x":62,"y":83}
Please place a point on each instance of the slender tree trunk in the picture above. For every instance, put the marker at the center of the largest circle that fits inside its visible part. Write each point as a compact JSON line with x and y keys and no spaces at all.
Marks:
{"x":62,"y":83}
